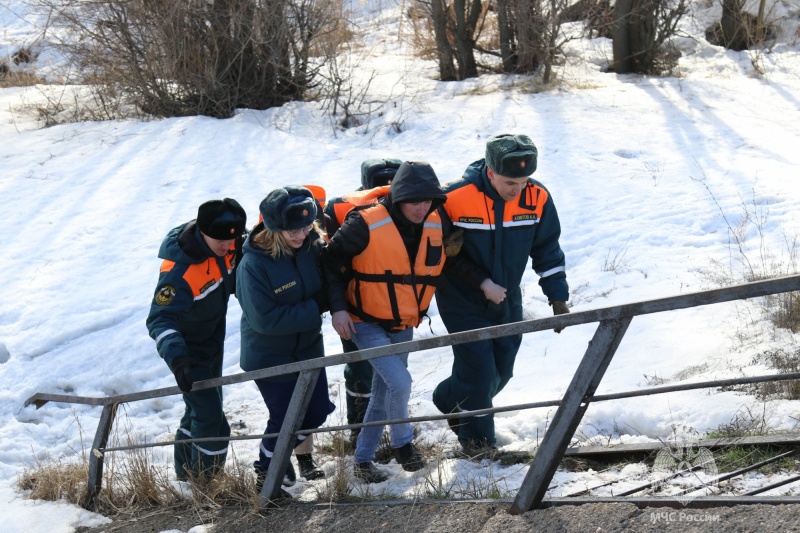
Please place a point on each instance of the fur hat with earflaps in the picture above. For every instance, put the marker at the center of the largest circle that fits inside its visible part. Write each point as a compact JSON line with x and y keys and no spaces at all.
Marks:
{"x":378,"y":172}
{"x":221,"y":219}
{"x":288,"y":208}
{"x":512,"y":156}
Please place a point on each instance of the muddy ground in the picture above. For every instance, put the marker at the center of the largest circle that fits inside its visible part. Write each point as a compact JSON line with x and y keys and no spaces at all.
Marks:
{"x":485,"y":517}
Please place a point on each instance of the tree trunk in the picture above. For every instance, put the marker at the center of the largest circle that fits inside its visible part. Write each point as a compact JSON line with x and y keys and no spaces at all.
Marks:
{"x":553,"y":26}
{"x":734,"y":34}
{"x":464,"y":39}
{"x":620,"y":43}
{"x":444,"y":52}
{"x":642,"y":35}
{"x":531,"y":38}
{"x":506,"y":31}
{"x":634,"y":41}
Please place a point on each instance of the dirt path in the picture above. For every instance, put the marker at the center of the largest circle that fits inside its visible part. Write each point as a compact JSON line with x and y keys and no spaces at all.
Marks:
{"x":484,"y":517}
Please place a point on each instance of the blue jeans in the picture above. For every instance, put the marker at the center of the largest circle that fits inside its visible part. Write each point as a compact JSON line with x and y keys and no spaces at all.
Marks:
{"x":391,"y":389}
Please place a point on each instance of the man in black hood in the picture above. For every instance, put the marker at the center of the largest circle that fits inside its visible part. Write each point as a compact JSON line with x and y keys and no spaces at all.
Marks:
{"x":384,"y":264}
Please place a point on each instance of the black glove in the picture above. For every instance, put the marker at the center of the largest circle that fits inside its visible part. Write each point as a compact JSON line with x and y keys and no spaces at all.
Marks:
{"x":559,"y":308}
{"x":453,"y":242}
{"x":182,"y":368}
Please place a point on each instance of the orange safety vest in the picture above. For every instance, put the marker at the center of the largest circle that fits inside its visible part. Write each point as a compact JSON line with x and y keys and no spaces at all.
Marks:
{"x":347,"y":203}
{"x":384,"y":290}
{"x":203,"y":277}
{"x":469,"y":208}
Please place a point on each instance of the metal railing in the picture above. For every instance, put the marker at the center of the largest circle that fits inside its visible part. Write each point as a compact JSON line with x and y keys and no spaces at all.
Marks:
{"x":613,"y":323}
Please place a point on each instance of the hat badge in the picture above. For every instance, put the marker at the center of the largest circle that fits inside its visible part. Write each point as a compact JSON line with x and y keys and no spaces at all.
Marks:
{"x":305,"y":212}
{"x":233,"y":230}
{"x":522,"y":164}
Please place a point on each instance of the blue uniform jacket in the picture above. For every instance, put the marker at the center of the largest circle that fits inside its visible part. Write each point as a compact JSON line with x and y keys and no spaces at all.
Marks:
{"x":281,"y":322}
{"x":499,"y":243}
{"x":187,"y":314}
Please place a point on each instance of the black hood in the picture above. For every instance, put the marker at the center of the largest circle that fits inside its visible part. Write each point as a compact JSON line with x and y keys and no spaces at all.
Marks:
{"x":416,"y":181}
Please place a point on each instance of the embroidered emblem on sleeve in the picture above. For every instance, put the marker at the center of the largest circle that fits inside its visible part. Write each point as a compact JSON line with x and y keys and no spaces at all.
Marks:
{"x":165,"y":295}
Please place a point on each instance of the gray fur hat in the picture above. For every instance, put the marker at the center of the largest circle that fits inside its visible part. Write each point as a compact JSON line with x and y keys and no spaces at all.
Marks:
{"x":288,"y":208}
{"x":512,"y":156}
{"x":378,"y":172}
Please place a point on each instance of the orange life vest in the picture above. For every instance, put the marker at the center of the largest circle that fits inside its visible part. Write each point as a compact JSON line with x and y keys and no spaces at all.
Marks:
{"x":384,"y":289}
{"x":469,"y":208}
{"x":345,"y":204}
{"x":203,"y":277}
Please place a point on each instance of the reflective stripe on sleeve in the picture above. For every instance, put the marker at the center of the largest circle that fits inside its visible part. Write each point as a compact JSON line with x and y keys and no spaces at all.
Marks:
{"x":165,"y":333}
{"x":551,"y":272}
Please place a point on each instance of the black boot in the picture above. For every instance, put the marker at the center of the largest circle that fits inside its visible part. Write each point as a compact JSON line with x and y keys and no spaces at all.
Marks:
{"x":281,"y":497}
{"x":289,"y":478}
{"x":308,"y":468}
{"x":276,"y":499}
{"x":409,"y":458}
{"x":478,"y":449}
{"x":369,"y":473}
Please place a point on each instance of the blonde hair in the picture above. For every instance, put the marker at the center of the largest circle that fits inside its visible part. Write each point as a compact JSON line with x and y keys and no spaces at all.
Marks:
{"x":274,"y":243}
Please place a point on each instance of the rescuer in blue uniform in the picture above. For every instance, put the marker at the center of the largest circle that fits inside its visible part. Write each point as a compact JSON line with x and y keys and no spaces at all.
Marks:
{"x":508,"y":219}
{"x":187,"y":321}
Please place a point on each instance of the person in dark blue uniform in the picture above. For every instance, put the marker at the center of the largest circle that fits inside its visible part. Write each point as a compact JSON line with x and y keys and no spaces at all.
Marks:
{"x":507,"y":219}
{"x":187,"y":321}
{"x":282,"y":294}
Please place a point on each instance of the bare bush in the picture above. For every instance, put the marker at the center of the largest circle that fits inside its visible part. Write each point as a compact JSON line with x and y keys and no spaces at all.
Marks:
{"x":11,"y":78}
{"x":785,"y":362}
{"x":738,"y":29}
{"x":345,"y":98}
{"x":524,"y":35}
{"x":197,"y":57}
{"x":55,"y":480}
{"x":752,"y":257}
{"x":456,"y":27}
{"x":747,"y":422}
{"x":598,"y":16}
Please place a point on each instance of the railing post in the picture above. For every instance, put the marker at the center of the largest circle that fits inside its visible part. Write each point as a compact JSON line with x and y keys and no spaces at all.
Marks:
{"x":282,"y":454}
{"x":584,"y":383}
{"x":96,"y":456}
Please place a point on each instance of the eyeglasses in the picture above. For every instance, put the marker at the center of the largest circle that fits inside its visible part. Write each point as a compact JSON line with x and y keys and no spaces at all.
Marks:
{"x":302,"y":232}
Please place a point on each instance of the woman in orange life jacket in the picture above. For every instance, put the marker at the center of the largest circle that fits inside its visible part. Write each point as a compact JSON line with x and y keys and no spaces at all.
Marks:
{"x":384,"y":262}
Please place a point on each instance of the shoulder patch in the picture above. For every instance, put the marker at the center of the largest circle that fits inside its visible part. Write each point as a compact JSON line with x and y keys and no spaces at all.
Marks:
{"x":165,"y":295}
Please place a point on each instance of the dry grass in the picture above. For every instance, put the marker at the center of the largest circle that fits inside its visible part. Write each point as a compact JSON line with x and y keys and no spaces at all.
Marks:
{"x":10,"y":78}
{"x":137,"y":480}
{"x":55,"y":480}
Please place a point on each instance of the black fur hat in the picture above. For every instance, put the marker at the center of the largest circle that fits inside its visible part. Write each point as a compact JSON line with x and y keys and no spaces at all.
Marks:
{"x":512,"y":156}
{"x":288,"y":208}
{"x":221,"y":219}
